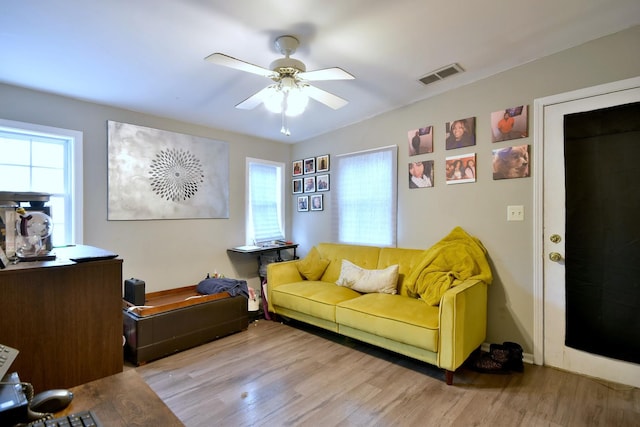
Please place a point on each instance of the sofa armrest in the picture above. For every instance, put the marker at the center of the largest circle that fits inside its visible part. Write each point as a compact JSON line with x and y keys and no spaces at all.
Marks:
{"x":463,"y":323}
{"x":280,"y":273}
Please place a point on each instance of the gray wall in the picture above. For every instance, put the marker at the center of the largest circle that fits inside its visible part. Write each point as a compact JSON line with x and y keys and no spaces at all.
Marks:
{"x":427,"y":214}
{"x":166,"y":254}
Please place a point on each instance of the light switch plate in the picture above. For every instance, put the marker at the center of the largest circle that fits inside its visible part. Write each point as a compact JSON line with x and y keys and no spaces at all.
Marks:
{"x":515,"y":213}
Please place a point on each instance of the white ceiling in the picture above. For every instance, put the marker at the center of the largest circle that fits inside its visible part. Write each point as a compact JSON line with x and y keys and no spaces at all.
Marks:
{"x":148,"y":55}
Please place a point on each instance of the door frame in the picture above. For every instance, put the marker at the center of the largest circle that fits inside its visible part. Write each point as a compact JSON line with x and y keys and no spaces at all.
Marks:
{"x":539,"y":105}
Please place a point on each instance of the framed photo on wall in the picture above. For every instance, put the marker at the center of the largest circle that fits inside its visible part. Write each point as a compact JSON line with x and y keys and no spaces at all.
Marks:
{"x":420,"y":140}
{"x":296,"y":185}
{"x":421,"y":174}
{"x":511,"y":162}
{"x":296,"y":167}
{"x":310,"y":165}
{"x":322,"y":182}
{"x":310,"y":184}
{"x":461,"y":133}
{"x":303,"y":203}
{"x":316,"y":202}
{"x":461,"y":169}
{"x":322,"y":163}
{"x":510,"y":123}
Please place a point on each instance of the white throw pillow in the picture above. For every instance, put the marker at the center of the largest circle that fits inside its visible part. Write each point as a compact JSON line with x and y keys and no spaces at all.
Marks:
{"x":368,"y":281}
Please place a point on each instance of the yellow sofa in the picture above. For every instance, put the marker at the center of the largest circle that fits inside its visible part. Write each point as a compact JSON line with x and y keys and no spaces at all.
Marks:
{"x":443,"y":334}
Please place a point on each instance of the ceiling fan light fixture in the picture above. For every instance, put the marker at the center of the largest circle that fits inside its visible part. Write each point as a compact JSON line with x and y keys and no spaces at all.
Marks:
{"x":296,"y":102}
{"x":289,"y":94}
{"x":274,"y":101}
{"x":288,"y":97}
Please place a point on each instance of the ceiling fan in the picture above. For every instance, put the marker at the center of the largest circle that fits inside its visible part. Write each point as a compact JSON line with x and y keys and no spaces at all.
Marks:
{"x":291,"y":90}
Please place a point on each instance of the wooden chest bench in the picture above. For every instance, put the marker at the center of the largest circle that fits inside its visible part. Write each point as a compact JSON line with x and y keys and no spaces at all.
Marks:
{"x":178,"y":319}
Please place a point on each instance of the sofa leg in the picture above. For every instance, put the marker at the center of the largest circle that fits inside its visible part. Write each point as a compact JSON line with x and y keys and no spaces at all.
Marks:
{"x":448,"y":375}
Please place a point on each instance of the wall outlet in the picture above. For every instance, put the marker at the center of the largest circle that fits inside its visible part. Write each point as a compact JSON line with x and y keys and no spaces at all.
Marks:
{"x":515,"y":213}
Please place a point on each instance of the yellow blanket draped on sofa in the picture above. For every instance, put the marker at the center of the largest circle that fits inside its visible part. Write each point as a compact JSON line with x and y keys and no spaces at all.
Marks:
{"x":454,"y":259}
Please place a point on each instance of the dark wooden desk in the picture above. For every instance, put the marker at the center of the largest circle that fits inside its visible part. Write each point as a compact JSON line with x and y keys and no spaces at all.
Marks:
{"x":123,"y":399}
{"x":65,"y":318}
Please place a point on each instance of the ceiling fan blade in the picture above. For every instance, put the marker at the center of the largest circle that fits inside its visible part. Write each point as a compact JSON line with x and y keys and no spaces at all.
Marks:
{"x":325,"y":97}
{"x":334,"y":73}
{"x":231,"y":62}
{"x":256,"y":99}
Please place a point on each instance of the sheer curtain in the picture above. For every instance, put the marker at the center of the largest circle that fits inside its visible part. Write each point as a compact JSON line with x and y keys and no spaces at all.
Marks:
{"x":265,"y":207}
{"x":364,"y":192}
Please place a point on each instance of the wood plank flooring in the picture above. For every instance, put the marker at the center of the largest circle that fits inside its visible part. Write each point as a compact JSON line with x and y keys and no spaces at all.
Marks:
{"x":278,"y":374}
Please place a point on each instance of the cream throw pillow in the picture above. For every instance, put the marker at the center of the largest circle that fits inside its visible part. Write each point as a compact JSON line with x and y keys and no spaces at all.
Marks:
{"x":368,"y":281}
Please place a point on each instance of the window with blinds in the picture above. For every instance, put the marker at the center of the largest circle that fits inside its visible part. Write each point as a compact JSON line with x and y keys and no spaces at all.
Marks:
{"x":364,"y":197}
{"x":46,"y":160}
{"x":265,"y":201}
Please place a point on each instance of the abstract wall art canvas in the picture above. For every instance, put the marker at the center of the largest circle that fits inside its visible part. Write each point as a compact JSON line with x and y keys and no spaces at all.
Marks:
{"x":157,"y":174}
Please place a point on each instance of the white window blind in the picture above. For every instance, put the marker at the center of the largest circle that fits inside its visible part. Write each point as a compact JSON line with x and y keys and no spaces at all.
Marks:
{"x":364,"y":193}
{"x":265,"y":201}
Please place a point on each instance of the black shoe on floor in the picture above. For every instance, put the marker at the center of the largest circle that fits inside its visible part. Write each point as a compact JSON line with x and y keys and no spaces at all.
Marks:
{"x":486,"y":364}
{"x":515,"y":356}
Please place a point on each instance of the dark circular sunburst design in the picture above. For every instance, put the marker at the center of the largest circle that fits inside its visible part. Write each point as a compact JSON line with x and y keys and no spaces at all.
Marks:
{"x":176,"y":175}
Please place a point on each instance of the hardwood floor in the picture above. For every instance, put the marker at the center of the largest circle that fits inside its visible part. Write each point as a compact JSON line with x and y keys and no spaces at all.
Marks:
{"x":277,"y":374}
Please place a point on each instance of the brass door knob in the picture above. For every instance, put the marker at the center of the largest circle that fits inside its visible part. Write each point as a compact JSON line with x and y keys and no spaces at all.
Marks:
{"x":555,"y":257}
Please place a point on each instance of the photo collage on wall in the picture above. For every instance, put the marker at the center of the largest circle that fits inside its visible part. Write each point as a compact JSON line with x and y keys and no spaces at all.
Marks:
{"x":506,"y":162}
{"x":310,"y":177}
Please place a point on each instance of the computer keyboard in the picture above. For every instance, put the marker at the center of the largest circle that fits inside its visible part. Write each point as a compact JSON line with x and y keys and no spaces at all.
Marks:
{"x":80,"y":419}
{"x":7,"y":356}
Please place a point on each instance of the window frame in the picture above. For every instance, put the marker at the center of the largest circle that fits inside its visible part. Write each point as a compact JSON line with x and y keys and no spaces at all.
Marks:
{"x":73,"y":206}
{"x":280,"y":198}
{"x":340,"y":175}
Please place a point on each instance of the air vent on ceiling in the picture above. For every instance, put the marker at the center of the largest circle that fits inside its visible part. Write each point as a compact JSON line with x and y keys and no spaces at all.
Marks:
{"x":442,"y":73}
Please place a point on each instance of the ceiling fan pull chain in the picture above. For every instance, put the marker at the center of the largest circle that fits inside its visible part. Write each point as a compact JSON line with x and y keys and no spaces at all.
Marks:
{"x":285,"y":128}
{"x":285,"y":106}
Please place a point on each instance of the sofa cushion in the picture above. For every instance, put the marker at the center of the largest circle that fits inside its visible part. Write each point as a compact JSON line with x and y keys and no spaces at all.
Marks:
{"x":311,"y":297}
{"x":312,"y":266}
{"x":396,"y":317}
{"x":367,"y":281}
